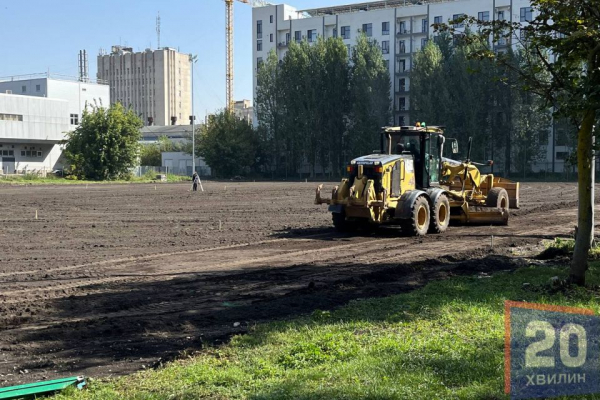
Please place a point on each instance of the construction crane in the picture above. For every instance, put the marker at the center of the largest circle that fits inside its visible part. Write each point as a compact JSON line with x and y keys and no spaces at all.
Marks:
{"x":229,"y":45}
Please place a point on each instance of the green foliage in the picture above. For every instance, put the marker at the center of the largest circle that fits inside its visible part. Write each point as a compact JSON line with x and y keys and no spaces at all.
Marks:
{"x":474,"y":97}
{"x":443,"y":341}
{"x":566,"y":247}
{"x":317,"y":107}
{"x":228,"y":144}
{"x":150,"y":154}
{"x":106,"y":144}
{"x":369,"y":97}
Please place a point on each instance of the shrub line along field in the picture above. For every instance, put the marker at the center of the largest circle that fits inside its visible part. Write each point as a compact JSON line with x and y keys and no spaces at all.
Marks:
{"x":111,"y":279}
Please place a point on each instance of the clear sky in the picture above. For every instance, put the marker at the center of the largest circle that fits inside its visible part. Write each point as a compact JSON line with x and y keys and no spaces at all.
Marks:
{"x":41,"y":35}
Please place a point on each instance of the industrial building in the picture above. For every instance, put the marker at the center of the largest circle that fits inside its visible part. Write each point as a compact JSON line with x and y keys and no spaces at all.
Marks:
{"x":36,"y":112}
{"x":243,"y":110}
{"x":30,"y":131}
{"x":156,"y":84}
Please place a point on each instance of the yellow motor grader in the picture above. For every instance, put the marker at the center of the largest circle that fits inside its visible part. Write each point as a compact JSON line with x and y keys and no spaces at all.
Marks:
{"x":410,"y":183}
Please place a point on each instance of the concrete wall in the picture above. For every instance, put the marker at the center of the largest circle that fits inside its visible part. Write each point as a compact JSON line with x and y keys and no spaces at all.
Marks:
{"x":30,"y":140}
{"x":181,"y":164}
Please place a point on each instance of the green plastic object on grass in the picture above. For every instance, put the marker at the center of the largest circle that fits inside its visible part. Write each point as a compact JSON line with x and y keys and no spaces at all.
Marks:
{"x":33,"y":390}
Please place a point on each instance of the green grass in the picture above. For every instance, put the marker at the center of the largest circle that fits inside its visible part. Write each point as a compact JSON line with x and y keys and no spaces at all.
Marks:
{"x":565,"y":247}
{"x":32,"y":179}
{"x":444,"y":341}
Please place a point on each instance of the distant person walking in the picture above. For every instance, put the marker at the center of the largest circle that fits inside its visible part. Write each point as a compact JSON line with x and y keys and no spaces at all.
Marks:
{"x":196,"y":181}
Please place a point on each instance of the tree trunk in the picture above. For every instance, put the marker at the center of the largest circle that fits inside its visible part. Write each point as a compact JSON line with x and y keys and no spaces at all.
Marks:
{"x":585,"y":218}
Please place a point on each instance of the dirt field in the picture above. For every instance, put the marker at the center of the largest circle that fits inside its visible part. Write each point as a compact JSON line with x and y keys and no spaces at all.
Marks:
{"x":112,"y":279}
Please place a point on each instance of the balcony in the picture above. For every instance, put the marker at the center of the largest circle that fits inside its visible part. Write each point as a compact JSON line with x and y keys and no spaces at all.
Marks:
{"x":402,"y":50}
{"x":403,"y":32}
{"x":404,"y":72}
{"x":401,"y":90}
{"x":282,"y":45}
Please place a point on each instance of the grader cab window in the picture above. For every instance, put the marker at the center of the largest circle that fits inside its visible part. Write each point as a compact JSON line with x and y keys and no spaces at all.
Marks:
{"x":409,"y":143}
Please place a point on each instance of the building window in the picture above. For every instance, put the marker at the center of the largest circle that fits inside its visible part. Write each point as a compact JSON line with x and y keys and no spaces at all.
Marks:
{"x":349,"y":48}
{"x":401,"y":46}
{"x":368,"y":29}
{"x":259,"y":29}
{"x":424,"y":25}
{"x":460,"y":24}
{"x":288,"y":38}
{"x":500,"y":15}
{"x":39,"y":153}
{"x":74,"y":119}
{"x":23,"y":89}
{"x":312,"y":35}
{"x":424,"y":42}
{"x":437,"y":20}
{"x":403,"y":29}
{"x":271,"y":19}
{"x":402,"y":104}
{"x":402,"y":84}
{"x":401,"y":120}
{"x":259,"y":45}
{"x":38,"y":88}
{"x":385,"y":28}
{"x":335,"y":32}
{"x":259,"y":62}
{"x":483,"y":16}
{"x":11,"y":117}
{"x":385,"y":47}
{"x":298,"y":36}
{"x":526,"y":14}
{"x":271,"y":38}
{"x":345,"y":32}
{"x":22,"y":153}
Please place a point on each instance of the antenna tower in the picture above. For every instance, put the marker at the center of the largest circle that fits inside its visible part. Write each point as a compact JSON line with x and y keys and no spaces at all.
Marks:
{"x":158,"y":29}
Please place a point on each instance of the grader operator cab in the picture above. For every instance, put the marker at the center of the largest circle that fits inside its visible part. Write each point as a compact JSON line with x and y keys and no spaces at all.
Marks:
{"x":410,"y":183}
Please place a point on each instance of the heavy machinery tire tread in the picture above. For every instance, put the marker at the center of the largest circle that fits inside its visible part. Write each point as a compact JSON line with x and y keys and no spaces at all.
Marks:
{"x":341,"y":224}
{"x":435,"y":225}
{"x":497,"y":197}
{"x":411,"y":226}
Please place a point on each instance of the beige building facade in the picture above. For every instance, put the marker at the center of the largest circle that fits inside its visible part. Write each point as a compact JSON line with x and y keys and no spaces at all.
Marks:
{"x":156,"y":84}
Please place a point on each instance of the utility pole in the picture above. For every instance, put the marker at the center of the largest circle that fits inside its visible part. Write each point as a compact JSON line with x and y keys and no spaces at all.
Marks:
{"x":193,"y":60}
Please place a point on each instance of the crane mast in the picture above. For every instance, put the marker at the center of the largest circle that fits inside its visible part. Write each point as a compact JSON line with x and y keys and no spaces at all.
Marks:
{"x":229,"y":48}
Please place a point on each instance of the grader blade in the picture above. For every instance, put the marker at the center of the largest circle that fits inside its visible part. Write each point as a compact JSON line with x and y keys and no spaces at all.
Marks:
{"x":474,"y":215}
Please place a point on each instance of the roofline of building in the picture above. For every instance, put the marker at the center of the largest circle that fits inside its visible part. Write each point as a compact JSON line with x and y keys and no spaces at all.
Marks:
{"x":3,"y":94}
{"x":54,"y":77}
{"x":368,"y":6}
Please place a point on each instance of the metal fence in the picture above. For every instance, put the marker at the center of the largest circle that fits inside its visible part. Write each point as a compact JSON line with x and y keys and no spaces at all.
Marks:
{"x":143,"y":170}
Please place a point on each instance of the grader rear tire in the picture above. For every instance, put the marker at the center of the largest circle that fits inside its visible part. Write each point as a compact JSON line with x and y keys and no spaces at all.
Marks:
{"x":440,"y":215}
{"x":418,"y":224}
{"x":497,"y":197}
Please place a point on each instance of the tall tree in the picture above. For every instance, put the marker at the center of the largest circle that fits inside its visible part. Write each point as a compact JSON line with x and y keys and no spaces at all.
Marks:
{"x":369,"y":96}
{"x":269,"y":110}
{"x":564,"y":68}
{"x":106,"y":144}
{"x":228,"y":144}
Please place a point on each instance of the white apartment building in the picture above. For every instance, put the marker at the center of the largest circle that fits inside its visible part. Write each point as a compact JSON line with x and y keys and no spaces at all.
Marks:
{"x":30,"y":131}
{"x":156,"y":84}
{"x":36,"y":112}
{"x":401,"y":27}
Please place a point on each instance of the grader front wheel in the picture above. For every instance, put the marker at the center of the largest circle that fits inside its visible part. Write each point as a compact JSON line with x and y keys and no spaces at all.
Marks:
{"x":341,"y":224}
{"x":418,"y":223}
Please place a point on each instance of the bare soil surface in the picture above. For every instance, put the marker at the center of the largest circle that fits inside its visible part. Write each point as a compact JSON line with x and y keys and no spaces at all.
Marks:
{"x":111,"y":279}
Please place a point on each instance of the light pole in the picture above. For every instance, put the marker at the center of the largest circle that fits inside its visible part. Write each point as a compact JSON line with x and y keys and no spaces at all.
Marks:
{"x":193,"y":59}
